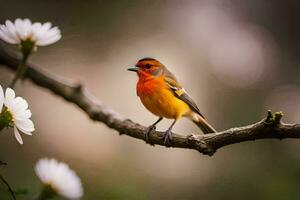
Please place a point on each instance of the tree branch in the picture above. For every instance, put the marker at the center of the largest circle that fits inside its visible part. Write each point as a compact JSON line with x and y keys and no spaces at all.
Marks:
{"x":270,"y":127}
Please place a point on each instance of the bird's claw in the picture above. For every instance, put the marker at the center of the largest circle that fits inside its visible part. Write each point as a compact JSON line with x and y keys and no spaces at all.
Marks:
{"x":150,"y":130}
{"x":167,"y":138}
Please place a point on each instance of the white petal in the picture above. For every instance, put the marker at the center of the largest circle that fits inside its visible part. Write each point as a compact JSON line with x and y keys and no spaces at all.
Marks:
{"x":25,"y":125}
{"x":9,"y":97}
{"x":27,"y":133}
{"x":20,"y":28}
{"x":35,"y":30}
{"x":11,"y":29}
{"x":1,"y":98}
{"x":19,"y":105}
{"x":4,"y":36}
{"x":46,"y":26}
{"x":7,"y":36}
{"x":18,"y":136}
{"x":49,"y":41}
{"x":27,"y":28}
{"x":23,"y":115}
{"x":50,"y":37}
{"x":6,"y":39}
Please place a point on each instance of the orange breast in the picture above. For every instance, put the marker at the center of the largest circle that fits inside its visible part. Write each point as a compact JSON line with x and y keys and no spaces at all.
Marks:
{"x":159,"y":99}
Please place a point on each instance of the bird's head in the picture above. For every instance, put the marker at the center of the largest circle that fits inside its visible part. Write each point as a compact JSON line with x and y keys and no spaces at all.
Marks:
{"x":148,"y":67}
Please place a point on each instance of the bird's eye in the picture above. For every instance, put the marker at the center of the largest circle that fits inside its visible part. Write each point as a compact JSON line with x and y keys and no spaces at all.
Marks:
{"x":148,"y":66}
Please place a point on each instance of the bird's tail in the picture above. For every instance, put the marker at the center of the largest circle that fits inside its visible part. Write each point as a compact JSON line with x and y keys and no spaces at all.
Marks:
{"x":203,"y":124}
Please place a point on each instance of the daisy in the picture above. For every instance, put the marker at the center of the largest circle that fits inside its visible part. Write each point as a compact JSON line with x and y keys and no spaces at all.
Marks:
{"x":59,"y":179}
{"x":28,"y":35}
{"x":15,"y":113}
{"x":23,"y":31}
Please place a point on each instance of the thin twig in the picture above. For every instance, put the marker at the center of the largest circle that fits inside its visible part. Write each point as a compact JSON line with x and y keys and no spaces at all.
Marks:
{"x":8,"y":187}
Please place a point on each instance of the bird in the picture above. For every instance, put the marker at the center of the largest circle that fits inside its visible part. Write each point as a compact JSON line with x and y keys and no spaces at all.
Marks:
{"x":163,"y":95}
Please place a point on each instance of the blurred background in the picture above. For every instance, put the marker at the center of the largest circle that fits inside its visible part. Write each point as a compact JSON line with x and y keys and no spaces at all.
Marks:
{"x":236,"y":58}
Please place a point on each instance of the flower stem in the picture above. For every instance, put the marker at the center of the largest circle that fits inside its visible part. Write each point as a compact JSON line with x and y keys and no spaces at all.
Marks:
{"x":46,"y":193}
{"x":8,"y":187}
{"x":20,"y":71}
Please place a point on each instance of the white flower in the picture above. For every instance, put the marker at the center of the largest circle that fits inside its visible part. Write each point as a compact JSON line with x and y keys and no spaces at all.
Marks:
{"x":18,"y":112}
{"x":23,"y":30}
{"x":59,"y":177}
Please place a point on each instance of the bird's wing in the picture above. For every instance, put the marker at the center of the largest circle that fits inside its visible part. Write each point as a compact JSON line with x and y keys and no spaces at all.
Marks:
{"x":180,"y":92}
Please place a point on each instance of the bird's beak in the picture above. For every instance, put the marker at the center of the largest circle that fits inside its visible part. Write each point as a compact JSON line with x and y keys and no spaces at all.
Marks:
{"x":133,"y":69}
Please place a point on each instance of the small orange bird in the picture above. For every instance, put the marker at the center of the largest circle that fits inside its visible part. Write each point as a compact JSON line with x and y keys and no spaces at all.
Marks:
{"x":162,"y":95}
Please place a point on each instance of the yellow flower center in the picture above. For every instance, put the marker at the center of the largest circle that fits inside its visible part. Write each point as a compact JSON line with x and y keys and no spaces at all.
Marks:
{"x":6,"y":118}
